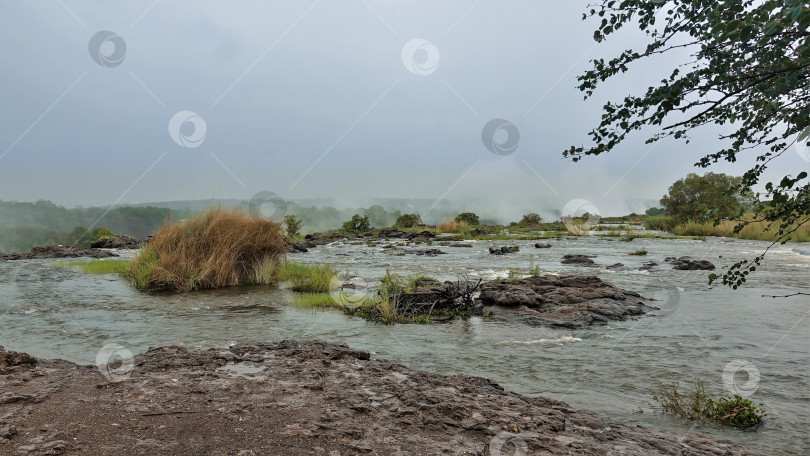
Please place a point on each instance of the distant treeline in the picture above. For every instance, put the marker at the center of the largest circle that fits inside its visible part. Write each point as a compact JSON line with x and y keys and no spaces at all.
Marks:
{"x":24,"y":225}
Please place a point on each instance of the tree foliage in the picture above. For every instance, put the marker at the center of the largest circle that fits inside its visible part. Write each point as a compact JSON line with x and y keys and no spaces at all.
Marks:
{"x":695,"y":197}
{"x":530,"y":219}
{"x":357,"y":223}
{"x":469,"y":218}
{"x":293,"y":224}
{"x":749,"y":72}
{"x":408,"y":220}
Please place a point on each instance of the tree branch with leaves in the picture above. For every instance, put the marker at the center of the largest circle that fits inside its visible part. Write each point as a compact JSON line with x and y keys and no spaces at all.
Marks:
{"x":749,"y":70}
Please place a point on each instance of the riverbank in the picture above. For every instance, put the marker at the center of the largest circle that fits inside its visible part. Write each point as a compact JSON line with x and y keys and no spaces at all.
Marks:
{"x":295,"y":398}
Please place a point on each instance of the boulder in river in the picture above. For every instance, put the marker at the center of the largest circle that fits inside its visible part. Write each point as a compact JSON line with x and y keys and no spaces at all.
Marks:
{"x":542,"y":245}
{"x":503,"y":250}
{"x":584,"y":260}
{"x":565,"y":301}
{"x":686,"y":263}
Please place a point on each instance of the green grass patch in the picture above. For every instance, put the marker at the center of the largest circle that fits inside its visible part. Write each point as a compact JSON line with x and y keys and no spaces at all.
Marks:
{"x":98,"y":266}
{"x":313,"y":300}
{"x":306,"y":278}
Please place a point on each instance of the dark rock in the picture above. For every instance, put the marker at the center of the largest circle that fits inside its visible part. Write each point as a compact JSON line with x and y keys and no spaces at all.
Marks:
{"x":392,"y":233}
{"x":615,"y":265}
{"x":540,"y":245}
{"x":460,"y":244}
{"x":116,"y":242}
{"x":310,"y":243}
{"x":504,"y":249}
{"x":648,"y":264}
{"x":686,"y":263}
{"x":566,"y":301}
{"x":584,"y":260}
{"x":11,"y":361}
{"x":300,"y":246}
{"x":428,"y":252}
{"x":57,"y":251}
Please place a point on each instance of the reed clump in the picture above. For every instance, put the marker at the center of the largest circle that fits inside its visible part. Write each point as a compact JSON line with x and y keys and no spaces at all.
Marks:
{"x":217,"y":248}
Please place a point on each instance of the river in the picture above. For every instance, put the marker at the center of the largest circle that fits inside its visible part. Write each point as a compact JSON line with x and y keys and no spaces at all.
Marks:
{"x":736,"y":340}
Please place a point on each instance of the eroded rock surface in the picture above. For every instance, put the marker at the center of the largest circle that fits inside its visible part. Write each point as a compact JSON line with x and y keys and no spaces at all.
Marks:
{"x":686,"y":263}
{"x":566,"y":301}
{"x":300,"y":398}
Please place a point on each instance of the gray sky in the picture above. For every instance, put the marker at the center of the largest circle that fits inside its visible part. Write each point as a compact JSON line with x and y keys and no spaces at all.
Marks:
{"x":314,"y":99}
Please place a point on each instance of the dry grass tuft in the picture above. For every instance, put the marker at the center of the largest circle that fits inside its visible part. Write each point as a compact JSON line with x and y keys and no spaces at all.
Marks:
{"x":217,"y":248}
{"x":451,"y":226}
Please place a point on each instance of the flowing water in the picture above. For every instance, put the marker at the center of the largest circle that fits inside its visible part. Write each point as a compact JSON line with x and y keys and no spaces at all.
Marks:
{"x":738,"y":341}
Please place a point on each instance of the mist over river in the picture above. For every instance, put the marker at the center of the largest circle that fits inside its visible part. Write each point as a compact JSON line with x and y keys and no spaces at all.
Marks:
{"x":701,"y":331}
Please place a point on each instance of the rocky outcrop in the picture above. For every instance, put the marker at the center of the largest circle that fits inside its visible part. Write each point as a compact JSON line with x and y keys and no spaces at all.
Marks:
{"x":582,"y":260}
{"x":565,"y":301}
{"x":11,"y":361}
{"x":297,"y":398}
{"x":542,"y":245}
{"x":57,"y":251}
{"x":686,"y":263}
{"x":118,"y":241}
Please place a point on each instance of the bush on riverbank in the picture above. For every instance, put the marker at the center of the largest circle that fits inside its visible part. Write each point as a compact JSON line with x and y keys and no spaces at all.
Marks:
{"x":217,"y":248}
{"x":695,"y":404}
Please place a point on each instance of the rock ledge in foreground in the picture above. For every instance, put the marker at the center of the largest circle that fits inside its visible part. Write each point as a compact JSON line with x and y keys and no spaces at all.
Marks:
{"x":298,"y":398}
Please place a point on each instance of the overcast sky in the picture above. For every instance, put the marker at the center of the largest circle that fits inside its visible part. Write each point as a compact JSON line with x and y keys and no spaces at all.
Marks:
{"x":318,"y":99}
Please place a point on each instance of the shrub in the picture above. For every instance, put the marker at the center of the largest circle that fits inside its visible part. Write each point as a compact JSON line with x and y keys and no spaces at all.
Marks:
{"x":408,"y":220}
{"x":468,"y":217}
{"x":214,"y":249}
{"x":293,"y":224}
{"x":660,"y":222}
{"x":694,"y":404}
{"x":357,"y":223}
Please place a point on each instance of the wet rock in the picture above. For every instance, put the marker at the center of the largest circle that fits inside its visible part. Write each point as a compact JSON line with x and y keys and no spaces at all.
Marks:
{"x":615,"y":265}
{"x":584,"y":260}
{"x":116,"y":242}
{"x":460,"y":244}
{"x":541,"y":245}
{"x":422,"y":236}
{"x":311,"y":397}
{"x":647,"y":265}
{"x":427,"y":252}
{"x":686,"y":263}
{"x":11,"y":361}
{"x":392,"y":233}
{"x":566,"y":301}
{"x":57,"y":251}
{"x":504,"y":250}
